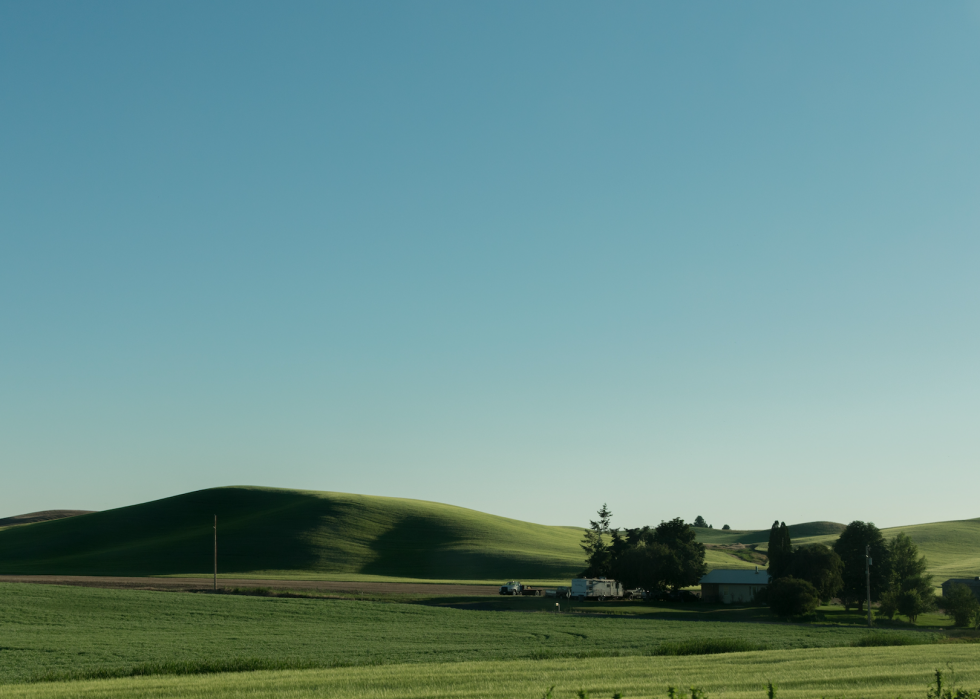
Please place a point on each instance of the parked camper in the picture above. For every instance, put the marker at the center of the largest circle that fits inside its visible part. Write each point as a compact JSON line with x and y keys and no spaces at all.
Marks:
{"x":596,"y":588}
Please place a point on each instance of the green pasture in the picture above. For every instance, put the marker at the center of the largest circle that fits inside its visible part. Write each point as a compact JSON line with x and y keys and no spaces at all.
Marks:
{"x":50,"y":632}
{"x":845,"y":673}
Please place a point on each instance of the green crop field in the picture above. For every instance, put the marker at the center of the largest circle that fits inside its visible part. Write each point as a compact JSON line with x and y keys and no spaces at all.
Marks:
{"x":851,"y":673}
{"x":53,"y":632}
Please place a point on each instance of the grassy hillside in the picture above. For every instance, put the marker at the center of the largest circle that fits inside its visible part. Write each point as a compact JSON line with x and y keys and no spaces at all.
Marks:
{"x":267,"y":530}
{"x":761,"y":536}
{"x":952,"y":549}
{"x":274,"y":532}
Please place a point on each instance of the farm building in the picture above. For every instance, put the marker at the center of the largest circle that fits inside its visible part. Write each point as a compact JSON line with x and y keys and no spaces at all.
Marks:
{"x":731,"y":586}
{"x":972,"y":583}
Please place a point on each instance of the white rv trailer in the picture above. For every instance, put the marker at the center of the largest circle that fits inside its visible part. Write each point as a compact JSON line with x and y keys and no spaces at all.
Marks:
{"x":596,"y":588}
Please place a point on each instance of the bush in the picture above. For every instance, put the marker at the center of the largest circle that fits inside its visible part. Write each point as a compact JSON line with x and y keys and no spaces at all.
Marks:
{"x":707,"y":646}
{"x":875,"y":640}
{"x":911,"y":604}
{"x":960,"y":604}
{"x":790,"y":596}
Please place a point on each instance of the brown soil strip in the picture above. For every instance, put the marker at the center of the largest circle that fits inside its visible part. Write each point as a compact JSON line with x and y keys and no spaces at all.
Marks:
{"x":188,"y":584}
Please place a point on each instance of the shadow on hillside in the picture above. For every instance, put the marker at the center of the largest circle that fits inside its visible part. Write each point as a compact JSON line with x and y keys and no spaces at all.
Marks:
{"x":258,"y":529}
{"x":419,"y":547}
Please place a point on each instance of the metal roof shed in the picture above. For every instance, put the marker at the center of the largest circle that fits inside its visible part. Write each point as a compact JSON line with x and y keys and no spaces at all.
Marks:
{"x":730,"y":586}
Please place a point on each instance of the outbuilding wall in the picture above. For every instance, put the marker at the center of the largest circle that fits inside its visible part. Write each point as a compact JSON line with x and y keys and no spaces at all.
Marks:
{"x":729,"y":593}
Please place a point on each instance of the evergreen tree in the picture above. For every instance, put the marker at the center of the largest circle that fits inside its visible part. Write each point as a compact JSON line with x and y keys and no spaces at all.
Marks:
{"x":598,"y":554}
{"x":780,"y":550}
{"x":699,"y":521}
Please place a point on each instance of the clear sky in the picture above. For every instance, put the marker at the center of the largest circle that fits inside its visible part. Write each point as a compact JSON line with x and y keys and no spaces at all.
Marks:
{"x":685,"y":258}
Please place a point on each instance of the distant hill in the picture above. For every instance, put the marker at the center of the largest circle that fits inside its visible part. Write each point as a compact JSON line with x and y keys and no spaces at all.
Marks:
{"x":275,"y":532}
{"x":761,"y":536}
{"x":952,"y":549}
{"x":269,"y":531}
{"x":291,"y":532}
{"x":43,"y":516}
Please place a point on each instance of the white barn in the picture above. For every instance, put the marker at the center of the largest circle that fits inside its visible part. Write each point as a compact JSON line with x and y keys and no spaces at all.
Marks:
{"x":733,"y":586}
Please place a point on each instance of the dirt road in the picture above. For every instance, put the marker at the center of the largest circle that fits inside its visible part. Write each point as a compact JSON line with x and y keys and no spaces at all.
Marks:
{"x":179,"y":584}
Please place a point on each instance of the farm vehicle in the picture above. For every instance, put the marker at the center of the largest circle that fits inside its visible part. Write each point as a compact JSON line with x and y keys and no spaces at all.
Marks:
{"x":515,"y":587}
{"x":559,"y":593}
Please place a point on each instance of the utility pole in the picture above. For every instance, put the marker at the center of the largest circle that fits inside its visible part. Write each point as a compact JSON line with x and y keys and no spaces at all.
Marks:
{"x":867,"y":576}
{"x":216,"y":554}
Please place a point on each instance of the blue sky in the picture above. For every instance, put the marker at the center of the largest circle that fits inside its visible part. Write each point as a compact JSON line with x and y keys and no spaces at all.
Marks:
{"x":683,"y":258}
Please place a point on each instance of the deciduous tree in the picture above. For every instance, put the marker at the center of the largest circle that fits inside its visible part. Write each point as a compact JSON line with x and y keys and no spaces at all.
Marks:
{"x":850,"y":547}
{"x":789,"y":596}
{"x":910,"y":586}
{"x":819,"y":566}
{"x":959,"y":602}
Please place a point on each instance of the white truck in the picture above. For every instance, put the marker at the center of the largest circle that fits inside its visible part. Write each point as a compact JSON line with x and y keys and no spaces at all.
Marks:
{"x":511,"y":588}
{"x":517,"y":588}
{"x":596,"y":588}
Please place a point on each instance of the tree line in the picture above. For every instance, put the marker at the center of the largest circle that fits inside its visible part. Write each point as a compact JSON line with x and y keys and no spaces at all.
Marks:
{"x":804,"y":576}
{"x":665,"y":557}
{"x":668,"y":557}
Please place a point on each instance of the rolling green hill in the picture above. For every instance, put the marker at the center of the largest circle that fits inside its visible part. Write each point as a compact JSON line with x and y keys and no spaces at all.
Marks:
{"x":952,"y":549}
{"x":289,"y":532}
{"x":274,"y":532}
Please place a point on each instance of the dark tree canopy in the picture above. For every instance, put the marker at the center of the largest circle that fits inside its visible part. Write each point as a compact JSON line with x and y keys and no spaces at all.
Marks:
{"x":959,"y":602}
{"x":668,"y":556}
{"x":780,"y":550}
{"x":850,"y":547}
{"x":819,"y":566}
{"x":789,"y":596}
{"x":686,"y":564}
{"x":699,"y":521}
{"x":726,"y":527}
{"x":644,"y":566}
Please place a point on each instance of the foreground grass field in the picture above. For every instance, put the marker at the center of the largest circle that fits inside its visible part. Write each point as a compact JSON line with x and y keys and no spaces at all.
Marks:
{"x":868,"y":673}
{"x":50,"y":632}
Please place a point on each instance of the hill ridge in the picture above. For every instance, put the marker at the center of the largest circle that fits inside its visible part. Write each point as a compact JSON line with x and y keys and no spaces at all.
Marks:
{"x":266,"y":531}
